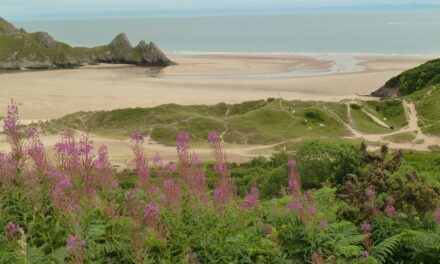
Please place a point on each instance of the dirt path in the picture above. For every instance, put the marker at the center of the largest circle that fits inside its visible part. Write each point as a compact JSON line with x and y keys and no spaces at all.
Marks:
{"x":121,"y":153}
{"x":421,"y":142}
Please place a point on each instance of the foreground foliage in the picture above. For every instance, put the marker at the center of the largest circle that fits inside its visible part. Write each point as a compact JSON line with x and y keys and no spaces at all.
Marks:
{"x":76,"y":209}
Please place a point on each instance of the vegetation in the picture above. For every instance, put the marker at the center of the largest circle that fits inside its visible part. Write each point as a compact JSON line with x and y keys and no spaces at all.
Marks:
{"x":371,"y":208}
{"x":391,"y":112}
{"x":428,"y":108}
{"x":416,"y":79}
{"x":254,"y":122}
{"x":365,"y":123}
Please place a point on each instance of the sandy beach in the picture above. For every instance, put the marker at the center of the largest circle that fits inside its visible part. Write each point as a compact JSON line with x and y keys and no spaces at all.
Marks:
{"x":200,"y":79}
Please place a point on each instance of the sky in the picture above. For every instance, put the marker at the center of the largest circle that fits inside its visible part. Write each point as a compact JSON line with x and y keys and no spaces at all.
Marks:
{"x":22,"y":9}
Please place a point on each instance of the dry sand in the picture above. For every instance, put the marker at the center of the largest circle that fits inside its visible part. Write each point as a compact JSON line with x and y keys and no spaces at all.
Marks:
{"x":199,"y":79}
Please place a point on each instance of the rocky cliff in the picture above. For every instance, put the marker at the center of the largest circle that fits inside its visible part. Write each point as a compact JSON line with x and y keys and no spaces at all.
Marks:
{"x":22,"y":50}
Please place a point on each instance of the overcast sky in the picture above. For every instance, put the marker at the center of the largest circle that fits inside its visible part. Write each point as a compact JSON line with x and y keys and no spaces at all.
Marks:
{"x":50,"y":8}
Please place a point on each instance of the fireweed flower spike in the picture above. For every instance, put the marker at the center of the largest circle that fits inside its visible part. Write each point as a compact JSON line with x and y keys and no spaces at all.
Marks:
{"x":183,"y":154}
{"x":76,"y":247}
{"x":365,"y":227}
{"x":294,"y":180}
{"x":14,"y":135}
{"x":137,"y":146}
{"x":252,"y":200}
{"x":213,"y":137}
{"x":390,"y":210}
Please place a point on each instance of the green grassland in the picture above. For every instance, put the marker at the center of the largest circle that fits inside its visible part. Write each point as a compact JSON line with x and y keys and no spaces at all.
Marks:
{"x":255,"y":122}
{"x":428,"y":108}
{"x":365,"y":123}
{"x":391,"y":112}
{"x":270,"y":121}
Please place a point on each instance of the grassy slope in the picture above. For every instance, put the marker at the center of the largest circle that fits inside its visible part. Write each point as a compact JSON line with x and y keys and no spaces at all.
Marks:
{"x":428,"y":108}
{"x":28,"y":46}
{"x":391,"y":111}
{"x":421,"y":85}
{"x":364,"y":123}
{"x":416,"y":79}
{"x":255,"y":122}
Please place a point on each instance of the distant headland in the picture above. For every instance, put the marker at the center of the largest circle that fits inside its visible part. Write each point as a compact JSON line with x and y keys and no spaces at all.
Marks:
{"x":20,"y":50}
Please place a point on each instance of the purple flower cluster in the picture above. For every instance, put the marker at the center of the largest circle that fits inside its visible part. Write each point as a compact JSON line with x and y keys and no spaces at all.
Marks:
{"x":365,"y":227}
{"x":74,"y":243}
{"x":136,"y":136}
{"x":151,"y":210}
{"x":390,"y":210}
{"x":213,"y":137}
{"x":12,"y":231}
{"x":252,"y":200}
{"x":370,"y":193}
{"x":182,"y":141}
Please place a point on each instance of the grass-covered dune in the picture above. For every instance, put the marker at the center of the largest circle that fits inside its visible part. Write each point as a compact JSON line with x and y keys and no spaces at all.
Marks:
{"x":255,"y":122}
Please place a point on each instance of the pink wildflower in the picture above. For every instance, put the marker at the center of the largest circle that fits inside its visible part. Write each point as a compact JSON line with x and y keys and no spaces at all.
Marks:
{"x":219,"y":167}
{"x":323,"y":223}
{"x":252,"y":199}
{"x":32,"y":132}
{"x":312,"y":210}
{"x":157,"y":160}
{"x":218,"y":193}
{"x":151,"y":210}
{"x":365,"y":254}
{"x":75,"y":243}
{"x":390,"y":210}
{"x":294,"y":180}
{"x":136,"y":135}
{"x":365,"y":227}
{"x":182,"y":141}
{"x":213,"y":137}
{"x":12,"y":231}
{"x":370,"y":193}
{"x":291,"y":163}
{"x":170,"y":167}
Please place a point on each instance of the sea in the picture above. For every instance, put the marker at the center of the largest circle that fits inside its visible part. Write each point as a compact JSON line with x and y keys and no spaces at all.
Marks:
{"x":399,"y":32}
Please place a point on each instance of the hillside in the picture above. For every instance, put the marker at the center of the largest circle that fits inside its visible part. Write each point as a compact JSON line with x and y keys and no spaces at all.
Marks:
{"x":272,"y":121}
{"x":39,"y":50}
{"x":412,"y":80}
